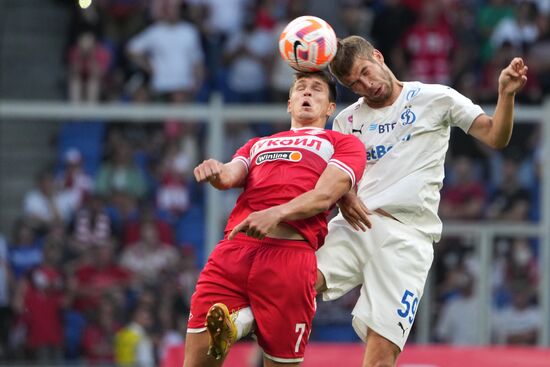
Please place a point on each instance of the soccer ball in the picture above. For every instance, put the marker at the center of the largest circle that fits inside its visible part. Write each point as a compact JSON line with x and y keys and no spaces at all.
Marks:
{"x":308,"y":44}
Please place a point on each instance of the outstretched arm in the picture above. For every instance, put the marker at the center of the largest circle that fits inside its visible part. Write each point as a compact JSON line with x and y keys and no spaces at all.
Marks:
{"x":332,"y":184}
{"x":496,"y":131}
{"x":221,"y":176}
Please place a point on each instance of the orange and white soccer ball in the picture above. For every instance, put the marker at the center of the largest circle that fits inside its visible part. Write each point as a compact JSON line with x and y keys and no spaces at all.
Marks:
{"x":308,"y":43}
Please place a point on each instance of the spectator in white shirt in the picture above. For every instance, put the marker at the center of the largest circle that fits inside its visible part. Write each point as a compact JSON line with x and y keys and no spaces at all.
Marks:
{"x":170,"y":51}
{"x":44,"y":205}
{"x":459,"y":316}
{"x":519,"y":323}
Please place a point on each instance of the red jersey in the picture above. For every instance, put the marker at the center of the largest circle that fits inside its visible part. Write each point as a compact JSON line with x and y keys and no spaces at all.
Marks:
{"x":285,"y":165}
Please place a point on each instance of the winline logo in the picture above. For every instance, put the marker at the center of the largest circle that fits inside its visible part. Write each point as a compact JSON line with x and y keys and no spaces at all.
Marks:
{"x":293,"y":156}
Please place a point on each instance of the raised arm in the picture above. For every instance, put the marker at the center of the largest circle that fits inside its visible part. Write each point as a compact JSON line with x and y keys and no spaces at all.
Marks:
{"x":221,"y":176}
{"x":496,"y":130}
{"x":332,"y":184}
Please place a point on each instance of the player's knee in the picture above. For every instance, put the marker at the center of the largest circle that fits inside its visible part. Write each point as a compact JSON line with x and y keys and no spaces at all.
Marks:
{"x":320,"y":283}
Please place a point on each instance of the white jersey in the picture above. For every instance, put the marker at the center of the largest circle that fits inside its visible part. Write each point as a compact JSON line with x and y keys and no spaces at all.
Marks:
{"x":406,"y":145}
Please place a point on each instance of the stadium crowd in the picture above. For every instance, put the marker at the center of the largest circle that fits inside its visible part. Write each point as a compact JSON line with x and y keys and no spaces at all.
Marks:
{"x":111,"y":238}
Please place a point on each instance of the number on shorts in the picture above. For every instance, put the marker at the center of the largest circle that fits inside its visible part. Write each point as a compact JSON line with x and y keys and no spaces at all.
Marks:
{"x":408,"y":307}
{"x":300,"y":328}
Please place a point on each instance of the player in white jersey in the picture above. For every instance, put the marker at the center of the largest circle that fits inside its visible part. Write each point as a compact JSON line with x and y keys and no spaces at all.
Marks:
{"x":405,"y":127}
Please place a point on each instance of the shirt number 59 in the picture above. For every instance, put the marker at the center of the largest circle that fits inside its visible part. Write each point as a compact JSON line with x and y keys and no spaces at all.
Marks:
{"x":410,"y":303}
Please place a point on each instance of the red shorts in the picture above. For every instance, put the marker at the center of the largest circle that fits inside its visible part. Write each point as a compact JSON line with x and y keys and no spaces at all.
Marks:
{"x":276,"y":278}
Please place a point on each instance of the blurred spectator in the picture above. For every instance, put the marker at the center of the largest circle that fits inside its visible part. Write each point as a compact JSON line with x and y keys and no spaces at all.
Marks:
{"x":89,"y":63}
{"x":5,"y":293}
{"x":489,"y":14}
{"x":170,"y":51}
{"x":222,"y":17}
{"x":176,"y":168}
{"x":25,"y":251}
{"x":520,"y":322}
{"x":248,"y":56}
{"x":456,"y":257}
{"x":172,"y":328}
{"x":217,"y":20}
{"x":120,"y":174}
{"x":148,"y":257}
{"x":390,"y":23}
{"x":510,"y":200}
{"x":186,"y":274}
{"x":520,"y":31}
{"x":44,"y":204}
{"x":464,"y":196}
{"x":427,"y":46}
{"x":91,"y":226}
{"x":268,"y":12}
{"x":356,"y":18}
{"x":466,"y":55}
{"x":133,"y":344}
{"x":73,"y":179}
{"x":147,"y":214}
{"x":459,"y":316}
{"x":539,"y":53}
{"x":98,"y":278}
{"x":40,"y":300}
{"x":98,"y":338}
{"x":522,"y":264}
{"x":122,"y":18}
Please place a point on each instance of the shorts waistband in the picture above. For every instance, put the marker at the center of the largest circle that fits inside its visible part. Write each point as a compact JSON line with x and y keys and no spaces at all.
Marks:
{"x":269,"y":241}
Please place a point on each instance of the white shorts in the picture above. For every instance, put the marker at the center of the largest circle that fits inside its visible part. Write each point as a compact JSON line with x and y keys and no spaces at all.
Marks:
{"x":391,"y":261}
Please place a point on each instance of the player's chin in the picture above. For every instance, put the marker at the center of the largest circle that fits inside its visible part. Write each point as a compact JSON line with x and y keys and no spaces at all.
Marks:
{"x":305,"y":115}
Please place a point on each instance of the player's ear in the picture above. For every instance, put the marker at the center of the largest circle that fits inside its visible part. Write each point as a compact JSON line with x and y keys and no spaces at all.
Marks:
{"x":378,"y":55}
{"x":288,"y":106}
{"x":331,"y":109}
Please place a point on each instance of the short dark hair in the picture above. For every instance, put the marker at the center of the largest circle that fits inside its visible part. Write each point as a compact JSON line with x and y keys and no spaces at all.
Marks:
{"x":348,"y":50}
{"x":325,"y":77}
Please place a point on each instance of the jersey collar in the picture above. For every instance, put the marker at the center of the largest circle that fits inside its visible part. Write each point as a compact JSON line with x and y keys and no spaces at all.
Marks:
{"x":306,"y":128}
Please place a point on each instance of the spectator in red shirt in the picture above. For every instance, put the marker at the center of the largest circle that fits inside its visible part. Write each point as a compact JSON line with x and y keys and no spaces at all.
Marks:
{"x":88,"y":65}
{"x":102,"y":276}
{"x":428,"y":46}
{"x":465,"y":196}
{"x":132,"y":228}
{"x":98,"y":338}
{"x":40,"y":300}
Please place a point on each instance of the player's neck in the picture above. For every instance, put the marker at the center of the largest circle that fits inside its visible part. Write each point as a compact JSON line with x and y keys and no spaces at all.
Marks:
{"x":317,"y":124}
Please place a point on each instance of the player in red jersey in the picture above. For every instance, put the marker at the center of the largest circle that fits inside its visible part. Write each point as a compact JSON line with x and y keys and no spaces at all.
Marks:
{"x":267,"y":259}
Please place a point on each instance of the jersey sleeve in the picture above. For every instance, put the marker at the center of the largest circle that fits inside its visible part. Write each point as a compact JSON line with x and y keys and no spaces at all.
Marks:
{"x":350,"y":156}
{"x":243,"y":153}
{"x":462,"y":111}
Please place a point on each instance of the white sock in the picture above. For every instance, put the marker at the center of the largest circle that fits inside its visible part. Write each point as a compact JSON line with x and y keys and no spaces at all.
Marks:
{"x":244,"y":322}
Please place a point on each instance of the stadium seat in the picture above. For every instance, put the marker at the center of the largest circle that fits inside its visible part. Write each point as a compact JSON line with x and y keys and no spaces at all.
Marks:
{"x":87,"y":137}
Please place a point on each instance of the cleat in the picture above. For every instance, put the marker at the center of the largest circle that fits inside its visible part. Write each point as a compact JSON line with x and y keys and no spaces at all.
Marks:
{"x":221,"y":329}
